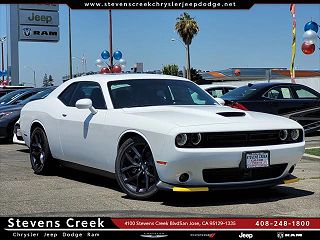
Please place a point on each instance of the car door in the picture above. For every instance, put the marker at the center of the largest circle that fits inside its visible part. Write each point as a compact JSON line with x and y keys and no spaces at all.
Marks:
{"x":82,"y":135}
{"x":305,"y":97}
{"x":279,"y":100}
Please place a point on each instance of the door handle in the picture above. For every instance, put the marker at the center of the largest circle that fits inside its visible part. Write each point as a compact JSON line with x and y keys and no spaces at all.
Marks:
{"x":64,"y":115}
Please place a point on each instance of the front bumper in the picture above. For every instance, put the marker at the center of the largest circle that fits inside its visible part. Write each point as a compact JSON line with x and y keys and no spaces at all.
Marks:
{"x":195,"y":161}
{"x":267,"y":183}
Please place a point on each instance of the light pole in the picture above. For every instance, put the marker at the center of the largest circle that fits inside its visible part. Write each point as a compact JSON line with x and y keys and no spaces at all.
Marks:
{"x":187,"y":57}
{"x":83,"y":62}
{"x":70,"y":45}
{"x":34,"y":75}
{"x":2,"y":40}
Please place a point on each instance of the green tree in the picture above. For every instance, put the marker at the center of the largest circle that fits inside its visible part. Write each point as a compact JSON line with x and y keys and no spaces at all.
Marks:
{"x":196,"y":76}
{"x":170,"y":69}
{"x":47,"y":81}
{"x":187,"y":29}
{"x":50,"y":80}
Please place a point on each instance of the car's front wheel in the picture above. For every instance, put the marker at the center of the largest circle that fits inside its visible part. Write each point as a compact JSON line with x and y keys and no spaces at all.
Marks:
{"x":135,"y":169}
{"x":40,"y":155}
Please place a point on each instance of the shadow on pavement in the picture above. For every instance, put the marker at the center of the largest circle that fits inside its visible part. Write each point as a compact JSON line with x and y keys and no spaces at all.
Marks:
{"x":232,"y":197}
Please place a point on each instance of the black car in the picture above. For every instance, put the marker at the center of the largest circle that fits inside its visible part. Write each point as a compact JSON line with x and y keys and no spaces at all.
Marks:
{"x":18,"y":96}
{"x":7,"y":89}
{"x":9,"y":114}
{"x":295,"y":101}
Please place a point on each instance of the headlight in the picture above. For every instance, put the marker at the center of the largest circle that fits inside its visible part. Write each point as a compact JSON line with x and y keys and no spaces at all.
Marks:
{"x":4,"y":114}
{"x":196,"y":138}
{"x":295,"y":134}
{"x":181,"y":139}
{"x":283,"y":134}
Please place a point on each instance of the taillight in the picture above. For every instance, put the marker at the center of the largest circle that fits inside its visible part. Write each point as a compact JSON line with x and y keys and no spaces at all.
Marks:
{"x":238,"y":106}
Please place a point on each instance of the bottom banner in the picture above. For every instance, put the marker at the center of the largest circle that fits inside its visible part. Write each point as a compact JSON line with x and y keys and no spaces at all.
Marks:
{"x":165,"y":235}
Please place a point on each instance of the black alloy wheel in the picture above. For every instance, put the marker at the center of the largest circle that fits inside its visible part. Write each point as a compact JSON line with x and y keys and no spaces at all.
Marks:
{"x":135,"y":169}
{"x":40,"y":155}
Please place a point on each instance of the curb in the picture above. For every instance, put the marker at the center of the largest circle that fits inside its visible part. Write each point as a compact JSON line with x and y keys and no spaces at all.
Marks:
{"x":311,"y":157}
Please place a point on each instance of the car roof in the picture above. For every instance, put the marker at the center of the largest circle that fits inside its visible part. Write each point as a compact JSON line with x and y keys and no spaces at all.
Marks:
{"x":270,"y":84}
{"x":206,"y":86}
{"x":122,"y":77}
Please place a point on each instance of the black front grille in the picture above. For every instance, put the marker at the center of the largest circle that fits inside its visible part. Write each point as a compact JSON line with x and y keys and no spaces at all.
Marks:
{"x":243,"y":139}
{"x":222,"y":175}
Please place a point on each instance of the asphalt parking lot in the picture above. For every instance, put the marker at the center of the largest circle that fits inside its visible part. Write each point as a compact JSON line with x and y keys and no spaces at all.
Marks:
{"x":74,"y":193}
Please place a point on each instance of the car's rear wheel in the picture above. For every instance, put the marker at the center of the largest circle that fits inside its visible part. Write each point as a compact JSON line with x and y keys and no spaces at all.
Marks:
{"x":40,"y":155}
{"x":135,"y":169}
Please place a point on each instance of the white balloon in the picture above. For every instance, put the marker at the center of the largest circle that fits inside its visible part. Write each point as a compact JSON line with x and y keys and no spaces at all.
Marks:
{"x":310,"y":37}
{"x":122,"y":63}
{"x":100,"y":63}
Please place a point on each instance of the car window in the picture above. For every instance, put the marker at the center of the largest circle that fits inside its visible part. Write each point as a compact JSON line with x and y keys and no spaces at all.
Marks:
{"x":23,"y":97}
{"x":228,"y":89}
{"x":240,"y":93}
{"x":303,"y":92}
{"x":91,"y":90}
{"x":279,"y":92}
{"x":11,"y":96}
{"x":140,"y":93}
{"x":215,"y":92}
{"x":66,"y":95}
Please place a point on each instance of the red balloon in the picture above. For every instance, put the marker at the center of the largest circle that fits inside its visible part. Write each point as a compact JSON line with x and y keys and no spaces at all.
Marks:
{"x":237,"y":72}
{"x":116,"y":69}
{"x":104,"y":70}
{"x":308,"y":48}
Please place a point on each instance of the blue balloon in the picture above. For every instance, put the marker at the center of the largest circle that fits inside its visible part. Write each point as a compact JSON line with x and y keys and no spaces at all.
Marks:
{"x":311,"y":26}
{"x":105,"y":54}
{"x":117,"y":55}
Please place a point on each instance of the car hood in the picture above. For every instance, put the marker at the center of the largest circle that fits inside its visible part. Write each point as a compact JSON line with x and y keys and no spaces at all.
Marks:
{"x":185,"y":116}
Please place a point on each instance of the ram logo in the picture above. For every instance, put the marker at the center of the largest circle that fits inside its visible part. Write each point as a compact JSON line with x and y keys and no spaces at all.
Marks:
{"x":26,"y":31}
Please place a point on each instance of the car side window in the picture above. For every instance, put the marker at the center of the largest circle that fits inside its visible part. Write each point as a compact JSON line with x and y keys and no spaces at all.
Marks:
{"x":279,"y":92}
{"x":91,"y":90}
{"x":216,"y":92}
{"x":304,"y":93}
{"x":66,"y":95}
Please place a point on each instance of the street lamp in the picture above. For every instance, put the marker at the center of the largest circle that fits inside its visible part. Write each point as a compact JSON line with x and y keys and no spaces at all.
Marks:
{"x":34,"y":75}
{"x":2,"y":40}
{"x":187,"y":57}
{"x":83,"y":62}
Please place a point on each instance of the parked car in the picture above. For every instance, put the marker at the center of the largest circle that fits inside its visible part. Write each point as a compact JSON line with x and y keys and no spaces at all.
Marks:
{"x":7,"y":89}
{"x":18,"y":96}
{"x":217,"y":91}
{"x":150,"y":132}
{"x":295,"y":101}
{"x":9,"y":114}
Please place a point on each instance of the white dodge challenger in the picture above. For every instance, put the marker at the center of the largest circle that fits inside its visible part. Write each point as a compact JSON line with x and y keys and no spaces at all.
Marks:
{"x":158,"y":132}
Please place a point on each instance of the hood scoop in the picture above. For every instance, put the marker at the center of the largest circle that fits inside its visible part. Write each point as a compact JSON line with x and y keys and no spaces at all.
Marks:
{"x":232,"y":114}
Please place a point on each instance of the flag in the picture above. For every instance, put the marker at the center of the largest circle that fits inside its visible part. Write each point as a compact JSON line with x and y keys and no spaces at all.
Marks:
{"x":292,"y":70}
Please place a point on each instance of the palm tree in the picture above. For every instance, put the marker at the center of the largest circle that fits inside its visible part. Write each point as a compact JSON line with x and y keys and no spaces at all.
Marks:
{"x":187,"y":29}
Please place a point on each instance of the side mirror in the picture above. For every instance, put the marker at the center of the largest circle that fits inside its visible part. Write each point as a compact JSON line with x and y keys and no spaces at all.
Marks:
{"x":220,"y":101}
{"x":86,"y":103}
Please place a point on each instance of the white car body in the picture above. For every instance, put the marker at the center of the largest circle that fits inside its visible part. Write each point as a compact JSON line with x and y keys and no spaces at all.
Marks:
{"x":77,"y":136}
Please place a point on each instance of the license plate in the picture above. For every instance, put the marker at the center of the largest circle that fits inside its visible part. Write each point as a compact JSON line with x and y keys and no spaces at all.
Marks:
{"x":257,"y":159}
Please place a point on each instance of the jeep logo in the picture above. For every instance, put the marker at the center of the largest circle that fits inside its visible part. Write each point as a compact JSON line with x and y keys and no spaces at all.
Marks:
{"x":242,"y":235}
{"x":40,"y":18}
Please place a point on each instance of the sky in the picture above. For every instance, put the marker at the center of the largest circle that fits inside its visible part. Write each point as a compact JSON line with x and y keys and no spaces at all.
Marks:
{"x":259,"y":37}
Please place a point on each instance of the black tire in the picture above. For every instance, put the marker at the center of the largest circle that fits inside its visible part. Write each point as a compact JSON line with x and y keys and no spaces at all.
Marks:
{"x":135,"y":170}
{"x":10,"y":134}
{"x":40,"y":155}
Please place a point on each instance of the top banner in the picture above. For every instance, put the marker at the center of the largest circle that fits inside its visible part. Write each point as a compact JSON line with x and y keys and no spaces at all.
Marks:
{"x":155,"y":4}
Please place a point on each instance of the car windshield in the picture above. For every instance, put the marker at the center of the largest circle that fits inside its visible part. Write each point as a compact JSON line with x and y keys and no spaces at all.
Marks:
{"x":37,"y":96}
{"x":240,"y":93}
{"x":11,"y":96}
{"x":150,"y":92}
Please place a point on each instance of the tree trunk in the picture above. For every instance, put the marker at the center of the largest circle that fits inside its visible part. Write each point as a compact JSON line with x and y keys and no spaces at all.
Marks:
{"x":188,"y":62}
